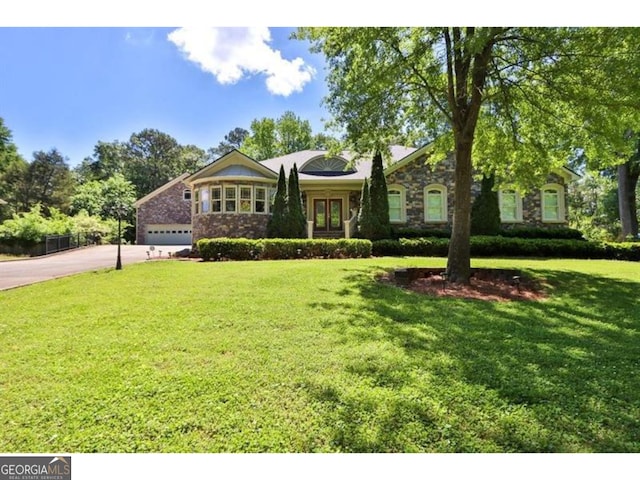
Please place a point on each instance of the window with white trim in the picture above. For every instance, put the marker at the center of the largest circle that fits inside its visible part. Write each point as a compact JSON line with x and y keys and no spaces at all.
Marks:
{"x":246,"y":199}
{"x":216,"y":199}
{"x":435,"y":203}
{"x":196,"y":202}
{"x":230,"y":199}
{"x":186,"y":194}
{"x":204,"y":199}
{"x":260,"y":205}
{"x":510,"y":206}
{"x":396,"y":196}
{"x":552,"y":196}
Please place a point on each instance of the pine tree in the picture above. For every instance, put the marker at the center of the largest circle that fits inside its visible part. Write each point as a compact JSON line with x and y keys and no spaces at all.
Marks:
{"x":277,"y":225}
{"x":485,"y":211}
{"x":297,"y":220}
{"x":378,"y":196}
{"x":364,"y":216}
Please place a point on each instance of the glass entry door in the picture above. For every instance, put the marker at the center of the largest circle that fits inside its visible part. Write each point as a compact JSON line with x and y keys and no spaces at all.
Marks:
{"x":327,"y":214}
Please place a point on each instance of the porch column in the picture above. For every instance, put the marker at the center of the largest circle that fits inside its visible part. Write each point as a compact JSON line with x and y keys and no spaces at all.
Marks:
{"x":309,"y":229}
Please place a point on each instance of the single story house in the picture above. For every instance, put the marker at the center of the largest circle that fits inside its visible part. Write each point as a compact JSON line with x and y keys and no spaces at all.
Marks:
{"x":232,"y":197}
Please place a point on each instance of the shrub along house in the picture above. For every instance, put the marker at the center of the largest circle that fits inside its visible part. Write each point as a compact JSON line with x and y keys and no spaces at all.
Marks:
{"x":232,"y":196}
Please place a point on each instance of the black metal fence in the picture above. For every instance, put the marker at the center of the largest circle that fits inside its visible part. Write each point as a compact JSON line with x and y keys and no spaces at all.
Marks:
{"x":51,"y":244}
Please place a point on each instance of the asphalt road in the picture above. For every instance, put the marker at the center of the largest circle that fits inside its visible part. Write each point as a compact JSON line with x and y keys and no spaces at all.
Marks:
{"x":16,"y":273}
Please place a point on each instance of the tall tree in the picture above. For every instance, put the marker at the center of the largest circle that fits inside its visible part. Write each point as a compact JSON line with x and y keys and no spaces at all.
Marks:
{"x":12,"y":166}
{"x":47,"y":180}
{"x":107,"y":160}
{"x":152,"y":158}
{"x":297,"y":220}
{"x":276,"y":137}
{"x":261,"y":143}
{"x":293,"y":134}
{"x":518,"y":99}
{"x":277,"y":224}
{"x":379,"y":200}
{"x":8,"y":150}
{"x":628,"y":174}
{"x":232,"y":140}
{"x":322,"y":141}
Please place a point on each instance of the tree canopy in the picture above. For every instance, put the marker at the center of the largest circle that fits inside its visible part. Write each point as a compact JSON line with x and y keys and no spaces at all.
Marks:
{"x":232,"y":140}
{"x":149,"y":159}
{"x":289,"y":133}
{"x":514,"y":102}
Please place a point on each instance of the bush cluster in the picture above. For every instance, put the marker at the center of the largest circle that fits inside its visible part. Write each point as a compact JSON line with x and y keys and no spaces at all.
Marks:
{"x":398,"y":233}
{"x":518,"y":232}
{"x":488,"y":246}
{"x":537,"y":232}
{"x":281,"y":248}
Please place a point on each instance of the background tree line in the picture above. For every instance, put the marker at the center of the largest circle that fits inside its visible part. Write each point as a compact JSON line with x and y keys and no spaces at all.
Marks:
{"x":131,"y":169}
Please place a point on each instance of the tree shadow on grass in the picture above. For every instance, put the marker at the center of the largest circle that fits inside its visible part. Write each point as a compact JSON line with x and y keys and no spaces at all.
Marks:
{"x":427,"y":374}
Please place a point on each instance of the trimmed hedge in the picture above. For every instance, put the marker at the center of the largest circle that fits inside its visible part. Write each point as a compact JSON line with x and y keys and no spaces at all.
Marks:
{"x":399,"y":233}
{"x":518,"y":232}
{"x":538,"y":232}
{"x":281,"y":248}
{"x":490,"y":246}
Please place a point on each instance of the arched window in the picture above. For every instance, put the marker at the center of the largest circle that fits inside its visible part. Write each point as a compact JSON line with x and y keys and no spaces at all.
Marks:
{"x":397,"y":203}
{"x":327,"y":167}
{"x":510,"y":206}
{"x":552,"y":196}
{"x":435,"y":203}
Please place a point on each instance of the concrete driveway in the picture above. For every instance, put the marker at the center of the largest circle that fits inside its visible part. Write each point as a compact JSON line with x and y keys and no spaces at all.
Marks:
{"x":16,"y":273}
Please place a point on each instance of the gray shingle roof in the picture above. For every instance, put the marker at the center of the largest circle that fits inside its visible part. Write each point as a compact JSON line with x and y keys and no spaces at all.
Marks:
{"x":362,"y":166}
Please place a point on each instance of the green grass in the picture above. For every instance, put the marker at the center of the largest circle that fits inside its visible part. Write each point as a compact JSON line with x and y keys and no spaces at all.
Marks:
{"x":7,"y":258}
{"x":308,"y":356}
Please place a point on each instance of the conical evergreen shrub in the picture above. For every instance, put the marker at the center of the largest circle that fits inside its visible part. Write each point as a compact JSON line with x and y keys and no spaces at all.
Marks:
{"x":296,"y":219}
{"x":277,"y":226}
{"x":365,"y":227}
{"x":485,"y":211}
{"x":380,"y":225}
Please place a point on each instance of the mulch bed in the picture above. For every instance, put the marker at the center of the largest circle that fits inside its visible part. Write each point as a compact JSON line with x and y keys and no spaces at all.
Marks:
{"x":486,"y":284}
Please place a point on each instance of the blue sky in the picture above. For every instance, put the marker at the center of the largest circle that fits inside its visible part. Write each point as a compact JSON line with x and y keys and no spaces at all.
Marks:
{"x":72,"y":87}
{"x":70,"y":78}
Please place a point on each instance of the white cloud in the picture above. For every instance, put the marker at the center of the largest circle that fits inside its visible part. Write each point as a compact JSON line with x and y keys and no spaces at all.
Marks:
{"x":231,"y":54}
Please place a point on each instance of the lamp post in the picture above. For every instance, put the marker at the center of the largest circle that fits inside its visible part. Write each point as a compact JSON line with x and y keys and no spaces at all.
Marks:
{"x":119,"y":259}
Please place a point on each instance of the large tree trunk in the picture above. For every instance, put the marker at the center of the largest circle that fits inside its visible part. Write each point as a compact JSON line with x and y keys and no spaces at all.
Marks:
{"x":459,"y":258}
{"x":627,"y":181}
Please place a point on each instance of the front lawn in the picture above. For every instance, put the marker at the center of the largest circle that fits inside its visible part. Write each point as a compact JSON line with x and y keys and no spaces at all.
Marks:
{"x":308,"y":356}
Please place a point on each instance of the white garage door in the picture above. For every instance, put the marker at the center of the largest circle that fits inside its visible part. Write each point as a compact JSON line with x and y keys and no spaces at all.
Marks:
{"x":168,"y":235}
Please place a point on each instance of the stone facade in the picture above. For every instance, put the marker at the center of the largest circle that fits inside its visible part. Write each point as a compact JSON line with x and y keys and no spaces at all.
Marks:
{"x":235,"y":225}
{"x":532,"y":207}
{"x":167,"y":207}
{"x":415,"y":176}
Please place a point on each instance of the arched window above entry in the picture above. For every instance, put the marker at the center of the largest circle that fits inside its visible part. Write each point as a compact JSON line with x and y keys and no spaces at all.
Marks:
{"x":327,"y":167}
